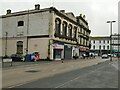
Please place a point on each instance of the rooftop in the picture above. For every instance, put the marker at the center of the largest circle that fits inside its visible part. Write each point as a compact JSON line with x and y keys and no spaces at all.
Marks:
{"x":38,"y":10}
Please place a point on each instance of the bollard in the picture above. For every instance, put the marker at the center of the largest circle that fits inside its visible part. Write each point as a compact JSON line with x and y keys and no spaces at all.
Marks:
{"x":62,"y":60}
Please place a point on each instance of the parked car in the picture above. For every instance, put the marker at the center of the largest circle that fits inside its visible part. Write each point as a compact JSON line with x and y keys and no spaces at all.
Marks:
{"x":109,"y":55}
{"x":104,"y":56}
{"x":112,"y":55}
{"x":17,"y":57}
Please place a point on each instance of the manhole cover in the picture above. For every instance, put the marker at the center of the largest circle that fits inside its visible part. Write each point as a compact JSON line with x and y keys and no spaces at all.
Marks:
{"x":32,"y":71}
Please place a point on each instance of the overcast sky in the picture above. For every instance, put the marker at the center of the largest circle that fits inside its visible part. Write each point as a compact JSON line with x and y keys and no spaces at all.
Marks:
{"x":97,"y":12}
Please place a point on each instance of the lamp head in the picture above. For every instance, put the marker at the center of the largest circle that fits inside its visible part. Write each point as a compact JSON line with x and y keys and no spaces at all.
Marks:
{"x":111,"y":21}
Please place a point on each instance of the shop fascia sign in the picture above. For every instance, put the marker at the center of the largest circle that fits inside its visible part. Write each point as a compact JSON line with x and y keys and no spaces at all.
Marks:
{"x":82,"y":49}
{"x":58,"y":46}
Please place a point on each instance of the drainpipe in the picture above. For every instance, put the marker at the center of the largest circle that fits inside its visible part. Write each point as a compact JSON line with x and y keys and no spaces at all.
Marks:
{"x":6,"y":44}
{"x":27,"y":32}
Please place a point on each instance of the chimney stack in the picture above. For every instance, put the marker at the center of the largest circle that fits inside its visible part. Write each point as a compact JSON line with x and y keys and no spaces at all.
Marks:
{"x":37,"y":6}
{"x":83,"y":16}
{"x":8,"y":11}
{"x":62,"y":11}
{"x":80,"y":15}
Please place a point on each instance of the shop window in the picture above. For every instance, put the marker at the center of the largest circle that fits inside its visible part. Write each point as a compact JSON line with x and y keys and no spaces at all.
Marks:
{"x":20,"y":23}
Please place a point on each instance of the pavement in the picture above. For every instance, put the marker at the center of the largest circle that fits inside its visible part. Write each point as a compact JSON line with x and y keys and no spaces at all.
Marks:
{"x":19,"y":75}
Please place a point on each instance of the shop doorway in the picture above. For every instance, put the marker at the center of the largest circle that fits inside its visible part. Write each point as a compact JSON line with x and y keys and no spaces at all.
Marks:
{"x":20,"y":47}
{"x":57,"y":54}
{"x":67,"y":52}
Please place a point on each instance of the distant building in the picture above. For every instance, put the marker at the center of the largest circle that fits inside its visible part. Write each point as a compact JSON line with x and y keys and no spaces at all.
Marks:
{"x":54,"y":33}
{"x":100,"y":44}
{"x":115,"y":43}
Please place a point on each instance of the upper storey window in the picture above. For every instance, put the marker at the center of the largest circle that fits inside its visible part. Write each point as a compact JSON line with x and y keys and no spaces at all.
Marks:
{"x":57,"y":25}
{"x":74,"y":32}
{"x":20,"y":23}
{"x":64,"y":28}
{"x":70,"y":30}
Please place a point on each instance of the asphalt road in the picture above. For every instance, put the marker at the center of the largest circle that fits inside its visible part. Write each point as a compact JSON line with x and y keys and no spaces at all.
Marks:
{"x":103,"y":75}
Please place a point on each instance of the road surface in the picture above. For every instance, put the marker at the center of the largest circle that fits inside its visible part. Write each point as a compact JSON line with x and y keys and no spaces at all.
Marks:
{"x":103,"y":75}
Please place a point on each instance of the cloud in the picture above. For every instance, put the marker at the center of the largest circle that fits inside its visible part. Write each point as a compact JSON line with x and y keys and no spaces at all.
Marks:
{"x":97,"y":11}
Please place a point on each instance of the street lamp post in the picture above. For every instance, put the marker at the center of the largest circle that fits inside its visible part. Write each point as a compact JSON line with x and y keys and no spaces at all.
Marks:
{"x":111,"y":37}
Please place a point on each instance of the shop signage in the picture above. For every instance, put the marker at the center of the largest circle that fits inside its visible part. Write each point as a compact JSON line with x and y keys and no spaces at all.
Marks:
{"x":57,"y":46}
{"x":82,"y":49}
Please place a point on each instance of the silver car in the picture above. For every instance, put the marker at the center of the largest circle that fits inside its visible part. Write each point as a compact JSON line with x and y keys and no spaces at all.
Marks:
{"x":104,"y":56}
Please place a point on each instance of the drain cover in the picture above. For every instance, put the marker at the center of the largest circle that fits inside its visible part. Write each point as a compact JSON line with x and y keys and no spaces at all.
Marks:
{"x":32,"y":71}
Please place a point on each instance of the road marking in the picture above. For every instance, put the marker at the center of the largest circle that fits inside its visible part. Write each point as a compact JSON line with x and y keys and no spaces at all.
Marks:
{"x":78,"y":78}
{"x":18,"y":85}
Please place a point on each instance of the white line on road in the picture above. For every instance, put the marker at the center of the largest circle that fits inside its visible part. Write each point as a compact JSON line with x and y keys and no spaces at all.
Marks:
{"x":79,"y":77}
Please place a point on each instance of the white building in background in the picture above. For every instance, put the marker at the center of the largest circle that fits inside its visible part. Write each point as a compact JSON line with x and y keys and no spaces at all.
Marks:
{"x":100,"y":44}
{"x":0,"y":37}
{"x":54,"y":33}
{"x":115,"y":43}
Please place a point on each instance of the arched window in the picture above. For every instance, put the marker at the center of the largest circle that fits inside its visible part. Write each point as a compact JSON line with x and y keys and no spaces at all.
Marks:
{"x":64,"y":28}
{"x":20,"y":23}
{"x":20,"y":47}
{"x":74,"y":32}
{"x":70,"y":30}
{"x":57,"y":26}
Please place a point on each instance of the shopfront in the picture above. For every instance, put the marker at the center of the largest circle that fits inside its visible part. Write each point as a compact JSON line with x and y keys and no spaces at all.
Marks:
{"x":58,"y":50}
{"x":67,"y":52}
{"x":82,"y":51}
{"x":75,"y":52}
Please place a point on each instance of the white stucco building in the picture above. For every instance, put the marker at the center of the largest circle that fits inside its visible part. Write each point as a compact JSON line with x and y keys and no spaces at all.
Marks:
{"x":0,"y":37}
{"x":54,"y":33}
{"x":115,"y":43}
{"x":100,"y":44}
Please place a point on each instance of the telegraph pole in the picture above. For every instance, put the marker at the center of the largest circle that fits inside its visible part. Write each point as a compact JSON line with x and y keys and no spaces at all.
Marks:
{"x":27,"y":32}
{"x":111,"y":38}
